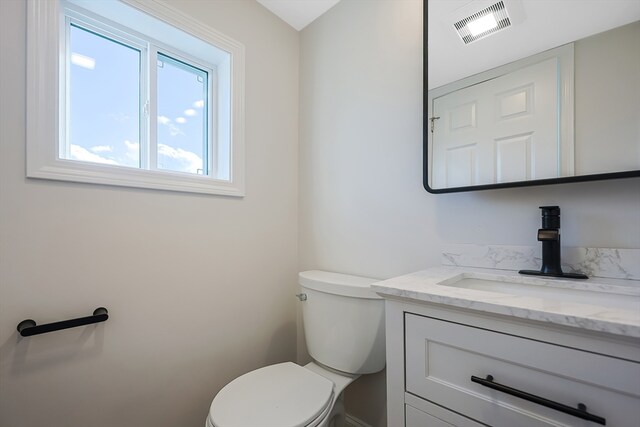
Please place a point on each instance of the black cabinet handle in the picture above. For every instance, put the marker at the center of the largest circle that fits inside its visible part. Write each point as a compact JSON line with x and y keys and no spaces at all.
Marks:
{"x":28,"y":327}
{"x":580,"y":411}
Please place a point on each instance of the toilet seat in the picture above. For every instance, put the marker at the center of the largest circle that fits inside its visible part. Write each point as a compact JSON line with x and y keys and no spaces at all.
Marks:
{"x":282,"y":395}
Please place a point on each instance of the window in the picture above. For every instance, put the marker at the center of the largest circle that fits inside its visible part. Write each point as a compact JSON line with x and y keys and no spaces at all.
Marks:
{"x":136,"y":100}
{"x":103,"y":117}
{"x":182,"y":133}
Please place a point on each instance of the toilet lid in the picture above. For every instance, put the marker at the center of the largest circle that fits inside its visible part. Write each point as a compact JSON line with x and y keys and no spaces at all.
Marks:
{"x":282,"y":395}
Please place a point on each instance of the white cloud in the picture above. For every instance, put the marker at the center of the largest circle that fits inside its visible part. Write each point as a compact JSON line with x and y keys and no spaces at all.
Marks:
{"x":189,"y":161}
{"x":181,"y":120}
{"x":199,"y":103}
{"x":101,"y":149}
{"x":133,"y":150}
{"x":81,"y":153}
{"x":173,"y":129}
{"x":190,"y":112}
{"x":83,"y":61}
{"x":119,"y":117}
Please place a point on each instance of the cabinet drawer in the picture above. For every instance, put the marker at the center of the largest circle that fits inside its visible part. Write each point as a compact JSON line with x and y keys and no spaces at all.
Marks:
{"x":422,"y":413}
{"x":441,"y":358}
{"x":416,"y":418}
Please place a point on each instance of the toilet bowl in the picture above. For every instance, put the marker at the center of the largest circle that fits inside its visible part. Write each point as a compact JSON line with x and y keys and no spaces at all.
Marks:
{"x":344,"y":329}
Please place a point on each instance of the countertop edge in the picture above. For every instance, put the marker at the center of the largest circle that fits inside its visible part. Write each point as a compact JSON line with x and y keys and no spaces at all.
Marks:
{"x":518,"y":307}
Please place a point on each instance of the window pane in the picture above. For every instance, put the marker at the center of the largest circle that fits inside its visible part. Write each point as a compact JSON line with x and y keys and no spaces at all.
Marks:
{"x":182,"y":113}
{"x":104,"y":100}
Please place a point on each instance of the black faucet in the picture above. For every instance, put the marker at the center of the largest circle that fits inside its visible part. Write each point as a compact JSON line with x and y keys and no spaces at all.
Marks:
{"x":549,"y":235}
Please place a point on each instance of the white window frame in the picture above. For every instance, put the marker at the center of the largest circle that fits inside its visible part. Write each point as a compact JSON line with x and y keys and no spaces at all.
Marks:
{"x":45,"y":54}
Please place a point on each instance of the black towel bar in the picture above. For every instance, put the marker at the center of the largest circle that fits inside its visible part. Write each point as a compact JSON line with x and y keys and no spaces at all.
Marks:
{"x":28,"y":327}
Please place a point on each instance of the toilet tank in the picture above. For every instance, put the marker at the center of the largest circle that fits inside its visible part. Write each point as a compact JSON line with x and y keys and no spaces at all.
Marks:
{"x":343,"y":321}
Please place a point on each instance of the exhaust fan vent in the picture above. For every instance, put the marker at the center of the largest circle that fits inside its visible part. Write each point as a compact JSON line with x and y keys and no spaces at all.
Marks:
{"x":488,"y":21}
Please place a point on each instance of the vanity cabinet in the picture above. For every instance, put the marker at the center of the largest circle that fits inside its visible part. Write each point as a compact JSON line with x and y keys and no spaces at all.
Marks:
{"x":433,"y":351}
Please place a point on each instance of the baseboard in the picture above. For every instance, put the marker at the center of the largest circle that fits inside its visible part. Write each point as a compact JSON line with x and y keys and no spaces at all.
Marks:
{"x":351,"y":421}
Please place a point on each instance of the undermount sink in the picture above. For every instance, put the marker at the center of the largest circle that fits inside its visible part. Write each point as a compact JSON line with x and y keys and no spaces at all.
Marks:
{"x":579,"y":292}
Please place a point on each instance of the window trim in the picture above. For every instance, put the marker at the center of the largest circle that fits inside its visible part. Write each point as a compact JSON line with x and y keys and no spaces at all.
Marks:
{"x":44,"y":53}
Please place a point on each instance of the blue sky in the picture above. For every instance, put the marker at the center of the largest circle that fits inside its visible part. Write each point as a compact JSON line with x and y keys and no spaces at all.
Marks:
{"x":104,"y":106}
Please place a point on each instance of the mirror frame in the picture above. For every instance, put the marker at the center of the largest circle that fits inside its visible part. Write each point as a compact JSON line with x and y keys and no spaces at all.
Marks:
{"x":534,"y":182}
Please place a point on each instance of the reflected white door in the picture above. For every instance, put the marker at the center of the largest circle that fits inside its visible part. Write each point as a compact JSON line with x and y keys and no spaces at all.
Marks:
{"x":501,"y":130}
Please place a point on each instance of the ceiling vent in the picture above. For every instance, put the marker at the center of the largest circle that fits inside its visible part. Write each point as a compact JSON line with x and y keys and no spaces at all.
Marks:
{"x":487,"y":21}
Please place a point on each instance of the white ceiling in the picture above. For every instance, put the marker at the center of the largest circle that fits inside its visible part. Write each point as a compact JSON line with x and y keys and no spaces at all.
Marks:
{"x":298,"y":13}
{"x":545,"y":24}
{"x":542,"y":25}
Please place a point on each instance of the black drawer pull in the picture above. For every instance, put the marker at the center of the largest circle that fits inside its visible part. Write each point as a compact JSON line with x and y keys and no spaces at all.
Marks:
{"x":580,"y":411}
{"x":28,"y":327}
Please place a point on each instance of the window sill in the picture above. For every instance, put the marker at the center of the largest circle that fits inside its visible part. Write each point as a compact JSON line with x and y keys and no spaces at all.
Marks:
{"x":62,"y":170}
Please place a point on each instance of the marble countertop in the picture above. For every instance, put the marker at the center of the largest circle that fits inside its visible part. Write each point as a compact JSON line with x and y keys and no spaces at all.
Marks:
{"x":558,"y":301}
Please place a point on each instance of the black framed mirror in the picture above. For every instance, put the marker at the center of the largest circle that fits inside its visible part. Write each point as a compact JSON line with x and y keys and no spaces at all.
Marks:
{"x":545,"y":93}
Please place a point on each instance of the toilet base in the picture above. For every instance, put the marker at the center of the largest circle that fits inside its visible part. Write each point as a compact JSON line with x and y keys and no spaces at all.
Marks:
{"x":337,"y":416}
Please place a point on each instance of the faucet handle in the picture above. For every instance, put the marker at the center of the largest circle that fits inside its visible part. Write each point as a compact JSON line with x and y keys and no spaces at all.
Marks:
{"x":550,"y":210}
{"x":550,"y":217}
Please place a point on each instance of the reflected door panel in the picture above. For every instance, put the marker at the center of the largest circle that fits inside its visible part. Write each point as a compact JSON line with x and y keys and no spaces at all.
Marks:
{"x":501,"y":130}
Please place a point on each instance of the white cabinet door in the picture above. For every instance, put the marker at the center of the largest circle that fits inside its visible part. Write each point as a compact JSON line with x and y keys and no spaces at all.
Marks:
{"x":505,"y":129}
{"x":442,"y":357}
{"x":417,"y":418}
{"x":422,"y":413}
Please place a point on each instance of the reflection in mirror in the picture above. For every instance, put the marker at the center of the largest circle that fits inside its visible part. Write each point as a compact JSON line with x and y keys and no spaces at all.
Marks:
{"x":506,"y":106}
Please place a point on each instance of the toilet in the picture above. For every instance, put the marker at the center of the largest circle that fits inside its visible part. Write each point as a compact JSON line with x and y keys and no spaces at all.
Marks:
{"x":344,"y":329}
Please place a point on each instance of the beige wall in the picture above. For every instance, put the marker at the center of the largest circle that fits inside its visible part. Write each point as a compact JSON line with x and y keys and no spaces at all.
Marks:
{"x":199,"y":288}
{"x":362,"y":206}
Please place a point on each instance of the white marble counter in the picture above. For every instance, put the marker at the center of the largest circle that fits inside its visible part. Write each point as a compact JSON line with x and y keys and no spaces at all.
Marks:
{"x":619,"y":313}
